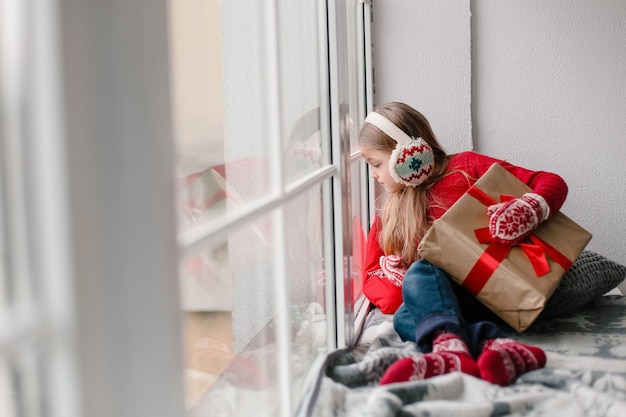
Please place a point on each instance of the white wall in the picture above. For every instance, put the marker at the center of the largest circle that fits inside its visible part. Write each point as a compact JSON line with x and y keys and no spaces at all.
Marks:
{"x":422,"y":56}
{"x":548,"y":90}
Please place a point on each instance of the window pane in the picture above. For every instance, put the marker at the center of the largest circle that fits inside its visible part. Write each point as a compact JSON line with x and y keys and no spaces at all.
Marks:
{"x":227,"y":112}
{"x":206,"y":299}
{"x":355,"y":63}
{"x":359,"y":226}
{"x":202,"y":90}
{"x":300,"y":86}
{"x":219,"y":92}
{"x":232,"y":344}
{"x":307,"y":279}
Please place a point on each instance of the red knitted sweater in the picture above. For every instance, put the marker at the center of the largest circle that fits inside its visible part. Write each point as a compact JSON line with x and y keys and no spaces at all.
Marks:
{"x":386,"y":294}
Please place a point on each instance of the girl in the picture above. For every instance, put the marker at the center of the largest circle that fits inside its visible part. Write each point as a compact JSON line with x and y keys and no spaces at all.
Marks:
{"x":453,"y":329}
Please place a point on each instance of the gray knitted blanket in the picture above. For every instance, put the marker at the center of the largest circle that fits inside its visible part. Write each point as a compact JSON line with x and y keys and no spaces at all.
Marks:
{"x":585,"y":374}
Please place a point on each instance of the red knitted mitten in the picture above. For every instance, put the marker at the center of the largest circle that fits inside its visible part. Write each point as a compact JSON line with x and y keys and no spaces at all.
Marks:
{"x":394,"y":268}
{"x":512,"y":221}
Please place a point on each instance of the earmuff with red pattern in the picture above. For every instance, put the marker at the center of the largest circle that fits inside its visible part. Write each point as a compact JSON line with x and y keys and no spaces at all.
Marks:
{"x":412,"y":161}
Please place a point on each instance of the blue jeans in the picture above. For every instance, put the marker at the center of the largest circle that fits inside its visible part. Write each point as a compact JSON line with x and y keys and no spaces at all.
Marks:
{"x":433,"y":302}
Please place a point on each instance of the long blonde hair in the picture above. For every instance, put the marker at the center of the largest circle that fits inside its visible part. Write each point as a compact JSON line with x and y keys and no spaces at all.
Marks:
{"x":404,"y":216}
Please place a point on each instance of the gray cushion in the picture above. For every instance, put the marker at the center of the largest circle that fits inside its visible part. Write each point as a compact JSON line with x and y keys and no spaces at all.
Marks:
{"x":590,"y":276}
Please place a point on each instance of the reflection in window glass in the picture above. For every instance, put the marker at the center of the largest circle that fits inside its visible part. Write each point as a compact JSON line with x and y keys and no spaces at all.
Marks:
{"x":231,"y":361}
{"x":303,"y":151}
{"x":355,"y":60}
{"x":300,"y":86}
{"x":306,"y":278}
{"x":226,"y":119}
{"x":268,"y":73}
{"x":359,"y":227}
{"x":197,"y":110}
{"x":206,"y":299}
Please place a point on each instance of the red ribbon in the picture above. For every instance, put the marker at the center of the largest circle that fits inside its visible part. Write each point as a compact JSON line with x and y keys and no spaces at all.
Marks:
{"x":536,"y":251}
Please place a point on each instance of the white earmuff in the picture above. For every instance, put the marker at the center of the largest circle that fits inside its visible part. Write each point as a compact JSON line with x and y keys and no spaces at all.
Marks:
{"x":412,"y":161}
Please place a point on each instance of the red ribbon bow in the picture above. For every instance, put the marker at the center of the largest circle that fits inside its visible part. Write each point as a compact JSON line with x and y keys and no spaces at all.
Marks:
{"x":537,"y":251}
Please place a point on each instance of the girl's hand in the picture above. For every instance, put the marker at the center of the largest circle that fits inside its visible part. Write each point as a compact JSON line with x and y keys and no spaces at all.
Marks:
{"x":393,"y":268}
{"x":511,"y":222}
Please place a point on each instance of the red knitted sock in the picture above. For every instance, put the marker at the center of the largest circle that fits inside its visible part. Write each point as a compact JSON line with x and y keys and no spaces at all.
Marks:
{"x":449,"y":354}
{"x":502,"y":361}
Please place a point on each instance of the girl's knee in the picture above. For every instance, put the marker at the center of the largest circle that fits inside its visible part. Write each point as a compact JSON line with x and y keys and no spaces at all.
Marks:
{"x":421,"y":273}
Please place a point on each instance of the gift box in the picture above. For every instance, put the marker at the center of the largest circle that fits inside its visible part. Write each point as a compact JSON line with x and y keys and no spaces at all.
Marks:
{"x":513,"y":281}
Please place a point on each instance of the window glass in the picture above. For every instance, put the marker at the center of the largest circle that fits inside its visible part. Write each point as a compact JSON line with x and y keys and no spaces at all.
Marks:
{"x":307,"y":280}
{"x":231,"y":351}
{"x":244,"y":139}
{"x":300,"y":86}
{"x":355,"y":54}
{"x":359,"y":226}
{"x":219,"y":89}
{"x":206,"y":299}
{"x":238,"y":97}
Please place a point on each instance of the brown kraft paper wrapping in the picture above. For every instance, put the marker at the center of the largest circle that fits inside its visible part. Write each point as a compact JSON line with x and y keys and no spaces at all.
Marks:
{"x":513,"y":290}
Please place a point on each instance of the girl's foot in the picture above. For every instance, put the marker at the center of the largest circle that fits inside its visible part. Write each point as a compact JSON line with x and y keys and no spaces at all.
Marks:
{"x":450,"y":354}
{"x":502,"y":361}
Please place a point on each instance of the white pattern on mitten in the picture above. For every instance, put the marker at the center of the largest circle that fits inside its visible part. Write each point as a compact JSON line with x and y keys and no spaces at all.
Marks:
{"x":512,"y":221}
